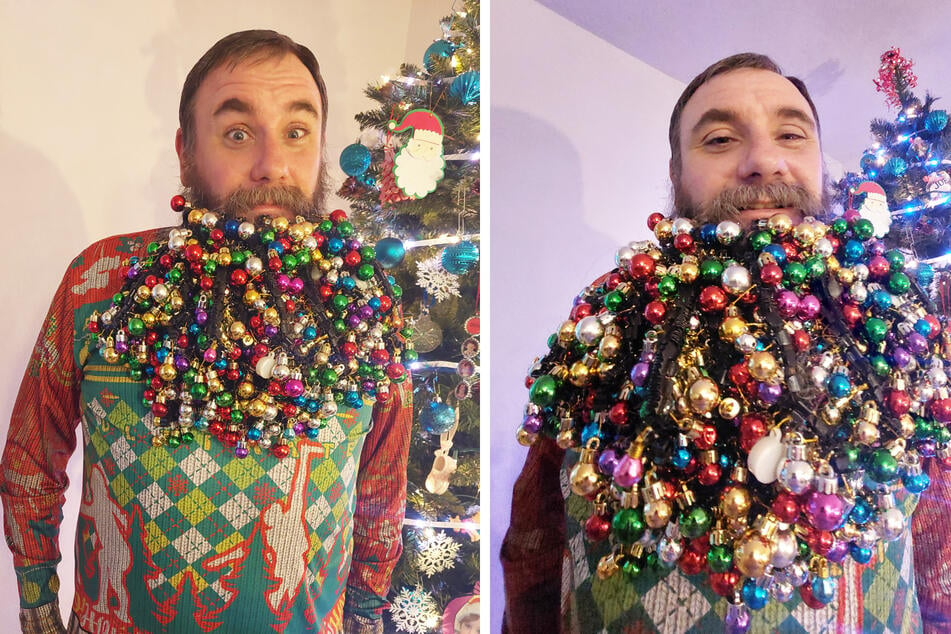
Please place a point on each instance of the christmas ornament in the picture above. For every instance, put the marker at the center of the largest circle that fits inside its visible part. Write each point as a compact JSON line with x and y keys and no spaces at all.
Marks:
{"x":893,"y":75}
{"x":874,"y":207}
{"x":355,"y":159}
{"x":778,"y":390}
{"x":427,"y":333}
{"x":390,"y":252}
{"x":435,"y":280}
{"x":438,"y":49}
{"x":419,"y":165}
{"x":459,"y":258}
{"x":389,"y":192}
{"x":936,"y":121}
{"x":231,"y":341}
{"x":437,"y":417}
{"x":414,"y":610}
{"x":465,"y":87}
{"x":437,"y":552}
{"x":462,"y":614}
{"x":444,"y":465}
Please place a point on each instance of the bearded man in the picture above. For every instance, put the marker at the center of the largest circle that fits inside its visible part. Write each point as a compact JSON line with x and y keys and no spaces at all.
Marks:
{"x":244,"y":409}
{"x":753,"y":399}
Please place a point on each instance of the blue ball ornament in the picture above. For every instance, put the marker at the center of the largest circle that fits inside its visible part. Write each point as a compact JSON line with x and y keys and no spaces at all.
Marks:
{"x":437,"y":418}
{"x":708,"y":233}
{"x":589,"y":432}
{"x":753,"y":595}
{"x":859,"y":554}
{"x":936,"y":121}
{"x":916,"y":483}
{"x":390,"y":252}
{"x":465,"y":87}
{"x":895,"y":167}
{"x":824,"y":589}
{"x":459,"y":258}
{"x":854,"y":251}
{"x":355,"y":159}
{"x":839,"y":385}
{"x":861,"y":512}
{"x":925,"y":273}
{"x":439,"y":48}
{"x":882,"y":300}
{"x":681,"y":458}
{"x":777,"y":251}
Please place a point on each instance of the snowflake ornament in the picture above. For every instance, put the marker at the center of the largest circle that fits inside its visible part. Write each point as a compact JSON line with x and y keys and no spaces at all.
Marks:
{"x":437,"y":552}
{"x":415,"y":611}
{"x":435,"y":280}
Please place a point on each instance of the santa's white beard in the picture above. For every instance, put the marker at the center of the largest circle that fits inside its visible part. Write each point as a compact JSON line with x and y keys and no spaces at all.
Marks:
{"x":417,"y":177}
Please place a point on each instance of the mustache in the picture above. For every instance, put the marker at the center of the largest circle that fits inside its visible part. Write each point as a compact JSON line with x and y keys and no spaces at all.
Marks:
{"x":290,"y":197}
{"x":729,"y":203}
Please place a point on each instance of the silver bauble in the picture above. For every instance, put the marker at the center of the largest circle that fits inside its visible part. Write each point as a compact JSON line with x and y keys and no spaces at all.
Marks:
{"x":736,"y":279}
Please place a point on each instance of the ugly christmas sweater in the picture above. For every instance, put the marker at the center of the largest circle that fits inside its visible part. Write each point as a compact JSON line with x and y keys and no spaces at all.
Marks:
{"x":191,"y":539}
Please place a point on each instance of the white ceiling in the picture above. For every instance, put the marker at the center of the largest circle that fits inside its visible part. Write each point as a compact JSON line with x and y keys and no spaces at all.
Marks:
{"x":833,"y":45}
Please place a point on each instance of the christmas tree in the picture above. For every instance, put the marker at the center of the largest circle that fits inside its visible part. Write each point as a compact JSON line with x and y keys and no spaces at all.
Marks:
{"x":413,"y":183}
{"x":909,"y":162}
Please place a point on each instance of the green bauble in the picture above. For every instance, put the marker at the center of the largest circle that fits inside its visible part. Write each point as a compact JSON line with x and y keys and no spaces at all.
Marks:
{"x":268,"y":236}
{"x":863,"y":229}
{"x":876,"y":329}
{"x":667,"y":285}
{"x":880,"y":365}
{"x":328,"y":376}
{"x":628,"y":525}
{"x":839,"y":226}
{"x":199,"y":390}
{"x":136,"y":326}
{"x":847,"y":458}
{"x":896,"y":259}
{"x":760,"y":239}
{"x":923,"y":428}
{"x":543,"y":390}
{"x":613,"y":300}
{"x":882,"y":466}
{"x":720,"y":558}
{"x":632,"y":567}
{"x":898,"y":283}
{"x":794,"y":273}
{"x":711,"y":270}
{"x":815,"y":267}
{"x":365,"y":271}
{"x":695,"y":521}
{"x":942,"y":434}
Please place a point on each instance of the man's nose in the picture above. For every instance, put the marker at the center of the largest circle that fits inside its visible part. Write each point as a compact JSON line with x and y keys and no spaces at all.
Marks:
{"x":270,"y":162}
{"x":763,"y":161}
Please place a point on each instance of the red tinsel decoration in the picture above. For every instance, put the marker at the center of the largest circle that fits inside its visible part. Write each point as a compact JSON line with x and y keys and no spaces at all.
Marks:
{"x":895,"y":69}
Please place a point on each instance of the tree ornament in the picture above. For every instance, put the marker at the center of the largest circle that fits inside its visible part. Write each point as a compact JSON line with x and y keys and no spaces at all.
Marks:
{"x":465,"y":87}
{"x":354,"y":159}
{"x":389,"y":192}
{"x":438,"y":49}
{"x":936,"y":121}
{"x":460,"y":257}
{"x":437,"y":417}
{"x":389,"y":252}
{"x":437,"y":552}
{"x":894,"y":75}
{"x":415,"y":611}
{"x":418,"y":166}
{"x":435,"y":280}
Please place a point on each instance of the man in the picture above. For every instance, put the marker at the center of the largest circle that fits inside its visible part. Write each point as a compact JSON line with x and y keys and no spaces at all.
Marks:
{"x":694,"y":397}
{"x":234,"y":479}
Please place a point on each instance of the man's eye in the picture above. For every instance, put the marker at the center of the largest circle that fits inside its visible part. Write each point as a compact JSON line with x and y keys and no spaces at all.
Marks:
{"x":238,"y":136}
{"x":297,"y":133}
{"x":718,"y":140}
{"x":792,"y":136}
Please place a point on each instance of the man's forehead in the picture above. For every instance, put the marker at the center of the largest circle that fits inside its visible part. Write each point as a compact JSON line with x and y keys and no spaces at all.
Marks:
{"x":742,"y":89}
{"x":276,"y":74}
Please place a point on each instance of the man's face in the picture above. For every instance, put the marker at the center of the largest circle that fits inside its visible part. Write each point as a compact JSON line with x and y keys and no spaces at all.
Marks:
{"x":257,"y":144}
{"x":749,"y":148}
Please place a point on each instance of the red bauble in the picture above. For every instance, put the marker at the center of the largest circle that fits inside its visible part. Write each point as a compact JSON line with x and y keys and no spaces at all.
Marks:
{"x":692,"y":562}
{"x":193,"y":252}
{"x":613,"y":280}
{"x":597,"y":528}
{"x":650,"y":287}
{"x":274,"y":263}
{"x":655,"y":311}
{"x":579,"y":311}
{"x":683,"y":242}
{"x":935,"y":326}
{"x":178,"y":203}
{"x":897,"y":402}
{"x":352,"y":258}
{"x":653,"y":219}
{"x":723,"y":583}
{"x":217,"y":427}
{"x":752,"y":428}
{"x":618,"y":413}
{"x":878,"y":267}
{"x":706,"y":438}
{"x":739,"y":374}
{"x":852,"y":314}
{"x":337,"y":216}
{"x":709,"y":474}
{"x":386,"y":304}
{"x":712,"y":299}
{"x":166,"y":261}
{"x":821,"y":542}
{"x":641,"y":266}
{"x":239,"y":277}
{"x":785,"y":507}
{"x":805,"y":591}
{"x":801,"y":340}
{"x":281,"y":450}
{"x":941,"y":409}
{"x":771,"y":274}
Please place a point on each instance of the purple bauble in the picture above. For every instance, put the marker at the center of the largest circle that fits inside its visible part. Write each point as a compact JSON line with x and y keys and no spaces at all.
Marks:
{"x":825,"y":510}
{"x":737,"y":619}
{"x":628,"y":471}
{"x":270,"y":331}
{"x":299,"y":428}
{"x":838,"y":552}
{"x":639,"y":374}
{"x":916,"y":343}
{"x":353,"y":321}
{"x":769,"y":393}
{"x":927,"y":447}
{"x":901,"y":357}
{"x":241,"y":451}
{"x":607,"y":462}
{"x":787,"y":303}
{"x":532,"y":423}
{"x":296,"y":285}
{"x":209,"y":355}
{"x":181,"y":363}
{"x":201,"y":316}
{"x":122,"y":346}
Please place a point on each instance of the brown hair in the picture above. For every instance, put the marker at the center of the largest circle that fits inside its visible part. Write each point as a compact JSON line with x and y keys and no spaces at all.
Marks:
{"x":234,"y":49}
{"x":725,"y":65}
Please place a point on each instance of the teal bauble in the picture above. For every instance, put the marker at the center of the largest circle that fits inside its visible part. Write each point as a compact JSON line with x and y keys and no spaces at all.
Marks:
{"x":466,"y":87}
{"x":355,"y":159}
{"x":439,"y":48}
{"x":459,"y":258}
{"x":436,"y":417}
{"x":389,"y":252}
{"x":936,"y":121}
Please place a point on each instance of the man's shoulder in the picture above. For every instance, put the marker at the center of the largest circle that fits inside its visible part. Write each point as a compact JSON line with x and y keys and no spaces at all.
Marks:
{"x":94,"y":273}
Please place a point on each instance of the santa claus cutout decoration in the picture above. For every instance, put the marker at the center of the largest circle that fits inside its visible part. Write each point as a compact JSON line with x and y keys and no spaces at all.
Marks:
{"x":419,"y":165}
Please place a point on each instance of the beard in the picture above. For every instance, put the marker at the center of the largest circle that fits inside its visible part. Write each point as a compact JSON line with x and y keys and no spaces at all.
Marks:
{"x":730,"y":203}
{"x":238,"y":203}
{"x":415,"y":176}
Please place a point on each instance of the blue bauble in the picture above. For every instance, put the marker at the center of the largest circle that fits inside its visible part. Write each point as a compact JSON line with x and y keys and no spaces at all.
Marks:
{"x":778,"y":253}
{"x":708,"y":233}
{"x":465,"y":87}
{"x":867,"y":163}
{"x":925,"y":273}
{"x":859,"y":554}
{"x":895,"y":167}
{"x":355,"y":159}
{"x":936,"y":121}
{"x":437,"y":418}
{"x":882,"y":300}
{"x":824,"y":589}
{"x":916,"y":483}
{"x":753,"y":595}
{"x":861,"y":512}
{"x":459,"y":258}
{"x":439,"y":48}
{"x":839,"y":385}
{"x":390,"y":252}
{"x":681,"y":458}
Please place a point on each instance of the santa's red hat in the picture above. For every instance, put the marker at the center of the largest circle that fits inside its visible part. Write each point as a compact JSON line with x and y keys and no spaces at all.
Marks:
{"x":426,"y":125}
{"x":873,"y":189}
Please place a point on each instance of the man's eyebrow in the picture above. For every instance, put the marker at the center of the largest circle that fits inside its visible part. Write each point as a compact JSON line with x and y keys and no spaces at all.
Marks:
{"x":302,"y":105}
{"x":799,"y":115}
{"x":236,"y":105}
{"x":714,"y":115}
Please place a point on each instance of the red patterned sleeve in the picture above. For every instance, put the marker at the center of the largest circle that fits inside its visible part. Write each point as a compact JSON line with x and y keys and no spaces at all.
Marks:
{"x":931,"y":533}
{"x":380,"y":505}
{"x":534,"y":543}
{"x":41,"y":438}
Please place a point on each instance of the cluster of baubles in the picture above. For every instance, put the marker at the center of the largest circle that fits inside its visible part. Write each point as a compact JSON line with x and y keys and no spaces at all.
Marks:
{"x":231,"y":340}
{"x":751,"y":405}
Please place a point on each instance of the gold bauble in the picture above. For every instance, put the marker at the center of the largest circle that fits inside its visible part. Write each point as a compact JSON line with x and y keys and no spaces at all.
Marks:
{"x":110,"y":355}
{"x":689,"y":272}
{"x":257,"y":408}
{"x":657,"y":513}
{"x":167,"y":372}
{"x":566,"y":439}
{"x":579,"y":374}
{"x":907,"y":426}
{"x":237,"y":330}
{"x":753,"y":554}
{"x":271,"y":316}
{"x":142,"y":293}
{"x":607,"y":567}
{"x":215,"y":385}
{"x":664,"y":229}
{"x":194,"y":216}
{"x":866,"y":433}
{"x":729,"y":408}
{"x":762,"y":365}
{"x":245,"y":391}
{"x":148,"y":319}
{"x":224,"y":259}
{"x":176,"y":302}
{"x":296,"y":232}
{"x":733,"y":327}
{"x":585,"y":479}
{"x":609,"y":346}
{"x":280,"y":224}
{"x":779,"y":223}
{"x":735,"y":501}
{"x":525,"y":438}
{"x":566,"y":333}
{"x":703,"y":395}
{"x":251,"y":296}
{"x":805,"y":234}
{"x":845,"y":275}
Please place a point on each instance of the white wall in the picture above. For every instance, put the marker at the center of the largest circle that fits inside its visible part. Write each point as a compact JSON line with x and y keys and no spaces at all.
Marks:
{"x":88,"y":112}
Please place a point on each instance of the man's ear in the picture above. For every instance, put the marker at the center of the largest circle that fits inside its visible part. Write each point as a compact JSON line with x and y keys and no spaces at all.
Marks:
{"x":182,"y":159}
